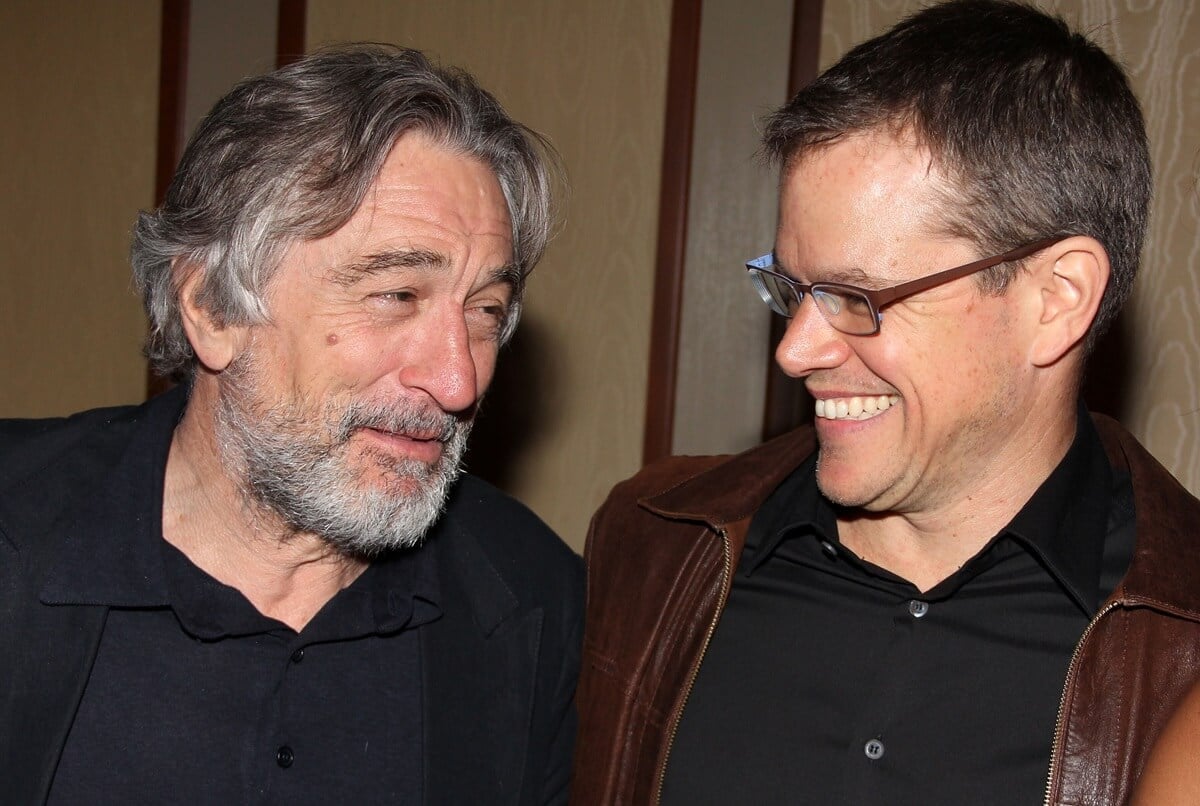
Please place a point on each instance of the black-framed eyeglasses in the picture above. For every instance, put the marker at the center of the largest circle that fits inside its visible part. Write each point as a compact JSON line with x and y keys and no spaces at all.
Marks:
{"x":857,"y":311}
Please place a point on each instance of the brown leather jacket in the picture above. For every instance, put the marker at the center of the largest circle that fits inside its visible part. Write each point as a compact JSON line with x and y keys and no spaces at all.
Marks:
{"x":1172,"y":776}
{"x":660,"y":555}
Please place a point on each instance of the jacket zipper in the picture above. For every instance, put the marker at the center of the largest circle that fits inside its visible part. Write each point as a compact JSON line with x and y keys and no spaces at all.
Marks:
{"x":687,"y":691}
{"x":1062,"y":700}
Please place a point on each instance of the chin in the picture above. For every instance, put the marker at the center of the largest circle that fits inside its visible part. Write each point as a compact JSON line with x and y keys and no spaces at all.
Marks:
{"x":845,"y":487}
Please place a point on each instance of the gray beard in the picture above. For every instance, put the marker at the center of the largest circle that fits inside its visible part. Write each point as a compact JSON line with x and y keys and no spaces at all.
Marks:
{"x":293,"y":460}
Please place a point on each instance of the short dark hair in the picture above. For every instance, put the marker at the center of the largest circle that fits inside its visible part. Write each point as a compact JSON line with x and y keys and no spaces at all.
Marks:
{"x":290,"y":155}
{"x":1034,"y":126}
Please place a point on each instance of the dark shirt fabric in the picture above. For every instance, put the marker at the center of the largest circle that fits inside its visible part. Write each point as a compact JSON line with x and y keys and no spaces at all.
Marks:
{"x":195,"y":691}
{"x":830,"y":680}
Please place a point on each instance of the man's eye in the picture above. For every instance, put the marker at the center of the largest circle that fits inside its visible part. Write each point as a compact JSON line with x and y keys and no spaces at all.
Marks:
{"x":398,"y":296}
{"x":486,"y":321}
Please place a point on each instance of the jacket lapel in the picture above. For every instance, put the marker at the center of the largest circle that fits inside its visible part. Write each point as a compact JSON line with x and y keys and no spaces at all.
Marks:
{"x":52,"y":650}
{"x":479,"y":663}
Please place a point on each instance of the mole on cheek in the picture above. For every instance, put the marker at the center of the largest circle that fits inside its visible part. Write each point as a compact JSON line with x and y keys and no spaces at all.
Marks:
{"x":331,"y":339}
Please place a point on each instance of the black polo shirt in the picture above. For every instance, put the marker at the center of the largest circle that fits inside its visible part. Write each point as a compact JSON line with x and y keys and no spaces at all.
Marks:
{"x":830,"y":680}
{"x":196,"y":697}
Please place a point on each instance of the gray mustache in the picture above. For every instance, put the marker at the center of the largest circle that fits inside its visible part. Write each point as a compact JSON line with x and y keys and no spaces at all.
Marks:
{"x":431,"y":423}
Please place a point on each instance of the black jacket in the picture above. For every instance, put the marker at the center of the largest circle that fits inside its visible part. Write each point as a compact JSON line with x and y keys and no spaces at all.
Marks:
{"x":499,"y":666}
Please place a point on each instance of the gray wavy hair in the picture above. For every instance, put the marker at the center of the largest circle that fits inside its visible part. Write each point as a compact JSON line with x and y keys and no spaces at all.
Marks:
{"x":290,"y":155}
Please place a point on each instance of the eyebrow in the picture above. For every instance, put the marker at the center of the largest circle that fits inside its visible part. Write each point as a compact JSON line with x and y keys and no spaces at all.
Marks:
{"x":388,"y":260}
{"x":847,"y":276}
{"x":424,"y":260}
{"x":509,"y":273}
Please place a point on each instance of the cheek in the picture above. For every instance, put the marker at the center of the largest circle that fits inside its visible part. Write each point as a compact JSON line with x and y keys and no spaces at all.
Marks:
{"x":350,"y":358}
{"x":484,"y":356}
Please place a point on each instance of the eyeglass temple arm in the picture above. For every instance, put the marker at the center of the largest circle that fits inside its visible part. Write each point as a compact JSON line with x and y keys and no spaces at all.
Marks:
{"x":886,"y":296}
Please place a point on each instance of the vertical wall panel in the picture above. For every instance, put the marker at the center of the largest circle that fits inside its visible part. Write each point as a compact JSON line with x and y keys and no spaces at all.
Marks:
{"x":568,"y":404}
{"x":229,"y":40}
{"x":744,"y":55}
{"x":80,"y":87}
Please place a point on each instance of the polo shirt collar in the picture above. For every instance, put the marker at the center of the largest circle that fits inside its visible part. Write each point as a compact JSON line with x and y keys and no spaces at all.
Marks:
{"x":395,"y":592}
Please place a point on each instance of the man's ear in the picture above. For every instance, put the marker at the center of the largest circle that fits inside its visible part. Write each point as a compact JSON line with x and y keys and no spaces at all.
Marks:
{"x":1069,"y":279}
{"x":215,"y":344}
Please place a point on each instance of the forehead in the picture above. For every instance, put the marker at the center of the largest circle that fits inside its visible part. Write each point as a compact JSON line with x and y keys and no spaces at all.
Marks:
{"x":422,"y":179}
{"x":860,"y":201}
{"x":428,"y":200}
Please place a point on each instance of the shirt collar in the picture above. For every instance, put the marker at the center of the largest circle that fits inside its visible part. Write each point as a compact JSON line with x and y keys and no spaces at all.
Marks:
{"x":397,"y":591}
{"x":796,"y":505}
{"x":1063,"y":524}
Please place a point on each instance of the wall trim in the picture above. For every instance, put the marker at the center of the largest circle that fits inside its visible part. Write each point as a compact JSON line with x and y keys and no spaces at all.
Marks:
{"x":172,"y":100}
{"x":289,"y":38}
{"x":172,"y":91}
{"x":682,"y":68}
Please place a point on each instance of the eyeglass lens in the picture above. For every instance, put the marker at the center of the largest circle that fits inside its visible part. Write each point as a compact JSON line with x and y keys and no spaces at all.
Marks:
{"x":845,"y":310}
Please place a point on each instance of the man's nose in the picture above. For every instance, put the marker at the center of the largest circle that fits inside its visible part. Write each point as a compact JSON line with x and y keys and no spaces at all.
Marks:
{"x":810,"y":342}
{"x":439,"y":362}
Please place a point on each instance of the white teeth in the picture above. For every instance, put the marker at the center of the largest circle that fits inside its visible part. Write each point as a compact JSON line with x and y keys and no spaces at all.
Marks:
{"x":855,"y":408}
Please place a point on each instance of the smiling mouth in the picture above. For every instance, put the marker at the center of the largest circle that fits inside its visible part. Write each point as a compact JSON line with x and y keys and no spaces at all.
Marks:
{"x":854,"y":408}
{"x":414,"y":436}
{"x":424,"y":446}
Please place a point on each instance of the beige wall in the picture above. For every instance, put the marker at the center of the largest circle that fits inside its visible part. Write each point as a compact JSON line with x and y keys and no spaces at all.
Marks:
{"x":80,"y":88}
{"x":591,"y":75}
{"x":1158,"y":42}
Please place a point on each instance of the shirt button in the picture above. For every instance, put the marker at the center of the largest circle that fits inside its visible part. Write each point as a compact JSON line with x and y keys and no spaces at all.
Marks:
{"x":284,"y":757}
{"x":874,"y":749}
{"x":829,"y":548}
{"x":918,"y":608}
{"x":298,"y":655}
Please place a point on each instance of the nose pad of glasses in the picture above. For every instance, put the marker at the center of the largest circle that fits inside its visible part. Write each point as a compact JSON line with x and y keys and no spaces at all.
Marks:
{"x":830,"y":303}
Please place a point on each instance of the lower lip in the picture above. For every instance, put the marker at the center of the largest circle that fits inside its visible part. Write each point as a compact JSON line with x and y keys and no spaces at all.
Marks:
{"x":424,"y":450}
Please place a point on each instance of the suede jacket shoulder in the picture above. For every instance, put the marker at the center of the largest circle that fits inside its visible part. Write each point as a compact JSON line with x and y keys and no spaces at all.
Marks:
{"x":660,"y":557}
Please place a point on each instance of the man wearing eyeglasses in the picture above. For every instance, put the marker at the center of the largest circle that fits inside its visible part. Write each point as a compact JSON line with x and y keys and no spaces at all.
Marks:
{"x":957,"y":586}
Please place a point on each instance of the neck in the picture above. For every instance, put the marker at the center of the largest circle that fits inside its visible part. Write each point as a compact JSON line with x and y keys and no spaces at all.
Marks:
{"x":926,"y":544}
{"x":210,"y":517}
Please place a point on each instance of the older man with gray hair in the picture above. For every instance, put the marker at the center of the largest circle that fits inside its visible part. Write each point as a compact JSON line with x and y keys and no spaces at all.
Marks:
{"x":273,"y":583}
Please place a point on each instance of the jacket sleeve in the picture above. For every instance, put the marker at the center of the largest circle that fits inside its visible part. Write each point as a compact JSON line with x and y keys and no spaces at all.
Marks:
{"x":1171,"y":776}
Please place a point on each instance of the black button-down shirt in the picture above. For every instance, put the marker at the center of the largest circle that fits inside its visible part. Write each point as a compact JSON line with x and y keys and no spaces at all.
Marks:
{"x":195,"y":696}
{"x":831,"y":680}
